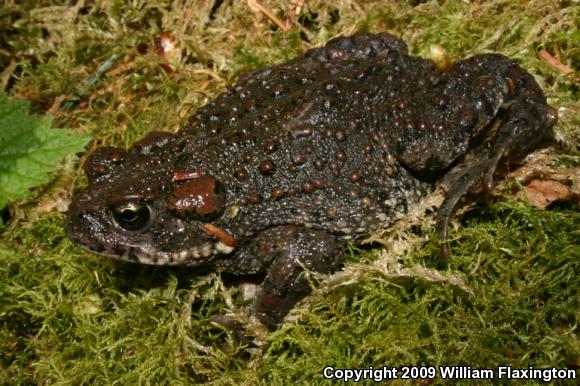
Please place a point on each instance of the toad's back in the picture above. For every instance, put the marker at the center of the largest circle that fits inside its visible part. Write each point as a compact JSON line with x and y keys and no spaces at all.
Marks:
{"x":310,"y":141}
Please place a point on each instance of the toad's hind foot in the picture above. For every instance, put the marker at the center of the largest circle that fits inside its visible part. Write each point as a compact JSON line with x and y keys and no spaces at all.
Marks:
{"x":525,"y":124}
{"x":458,"y":183}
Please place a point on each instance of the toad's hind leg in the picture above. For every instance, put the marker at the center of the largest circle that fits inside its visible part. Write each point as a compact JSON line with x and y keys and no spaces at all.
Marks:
{"x":296,"y":252}
{"x":453,"y":117}
{"x":524,"y":124}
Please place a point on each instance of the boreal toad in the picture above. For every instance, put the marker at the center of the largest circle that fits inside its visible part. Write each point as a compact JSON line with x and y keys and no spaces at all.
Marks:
{"x":274,"y":175}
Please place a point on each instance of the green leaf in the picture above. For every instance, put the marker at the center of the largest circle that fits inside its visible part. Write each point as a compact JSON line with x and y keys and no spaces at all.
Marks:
{"x":30,"y":149}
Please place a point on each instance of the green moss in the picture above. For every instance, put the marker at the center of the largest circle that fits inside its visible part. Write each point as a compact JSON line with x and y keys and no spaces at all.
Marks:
{"x":521,"y":264}
{"x":67,"y":316}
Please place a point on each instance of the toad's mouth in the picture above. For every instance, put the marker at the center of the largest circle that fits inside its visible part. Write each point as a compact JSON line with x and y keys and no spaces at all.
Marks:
{"x":193,"y":256}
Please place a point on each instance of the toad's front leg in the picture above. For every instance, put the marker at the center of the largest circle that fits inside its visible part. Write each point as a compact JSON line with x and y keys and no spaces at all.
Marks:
{"x":294,"y":252}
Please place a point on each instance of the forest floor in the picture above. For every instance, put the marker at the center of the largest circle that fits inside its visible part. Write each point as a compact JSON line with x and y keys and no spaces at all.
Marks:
{"x":507,"y":295}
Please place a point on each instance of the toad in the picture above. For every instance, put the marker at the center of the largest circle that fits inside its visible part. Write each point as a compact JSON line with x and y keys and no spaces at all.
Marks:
{"x":281,"y":170}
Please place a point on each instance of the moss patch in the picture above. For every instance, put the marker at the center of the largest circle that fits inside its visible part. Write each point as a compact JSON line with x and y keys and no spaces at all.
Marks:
{"x":70,"y":317}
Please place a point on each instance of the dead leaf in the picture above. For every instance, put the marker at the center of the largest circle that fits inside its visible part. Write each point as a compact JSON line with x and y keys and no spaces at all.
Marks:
{"x":542,"y":193}
{"x":543,"y":185}
{"x":167,"y":48}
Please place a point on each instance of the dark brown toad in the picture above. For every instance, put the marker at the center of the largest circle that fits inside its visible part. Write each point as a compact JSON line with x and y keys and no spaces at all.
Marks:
{"x":279,"y":171}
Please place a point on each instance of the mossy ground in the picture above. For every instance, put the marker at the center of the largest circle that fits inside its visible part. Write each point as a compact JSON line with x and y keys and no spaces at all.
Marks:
{"x":69,"y":317}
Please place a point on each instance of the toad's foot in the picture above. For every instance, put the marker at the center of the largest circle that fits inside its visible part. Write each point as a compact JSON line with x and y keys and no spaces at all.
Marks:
{"x":523,"y":127}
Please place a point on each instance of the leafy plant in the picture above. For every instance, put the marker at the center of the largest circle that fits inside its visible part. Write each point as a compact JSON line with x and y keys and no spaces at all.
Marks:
{"x":29,"y":149}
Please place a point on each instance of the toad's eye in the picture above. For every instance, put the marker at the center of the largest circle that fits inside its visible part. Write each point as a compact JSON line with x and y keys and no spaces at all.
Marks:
{"x":132,"y":216}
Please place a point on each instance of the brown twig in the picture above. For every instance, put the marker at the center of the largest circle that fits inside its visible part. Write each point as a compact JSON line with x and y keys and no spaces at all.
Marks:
{"x":554,"y":62}
{"x":255,"y":4}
